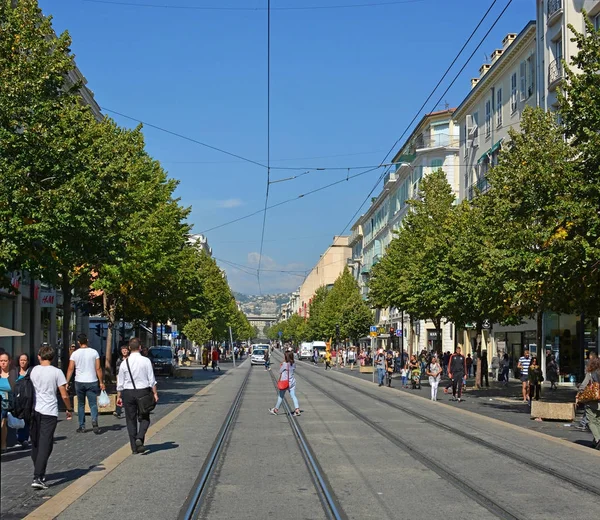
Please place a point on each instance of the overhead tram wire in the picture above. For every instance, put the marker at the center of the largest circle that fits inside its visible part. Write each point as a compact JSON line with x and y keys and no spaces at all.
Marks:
{"x":418,"y":113}
{"x":222,"y":8}
{"x":302,"y":195}
{"x":264,"y":223}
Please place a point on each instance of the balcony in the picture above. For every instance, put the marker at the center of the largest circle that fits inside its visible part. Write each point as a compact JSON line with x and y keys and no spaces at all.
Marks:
{"x":555,"y":73}
{"x":389,"y":177}
{"x":480,"y":187}
{"x":437,"y":141}
{"x":555,"y":9}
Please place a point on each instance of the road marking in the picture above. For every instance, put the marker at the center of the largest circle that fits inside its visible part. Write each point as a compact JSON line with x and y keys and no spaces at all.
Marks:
{"x":63,"y":499}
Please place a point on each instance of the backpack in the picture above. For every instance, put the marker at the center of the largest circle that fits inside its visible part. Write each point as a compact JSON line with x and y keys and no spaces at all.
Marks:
{"x":23,"y":398}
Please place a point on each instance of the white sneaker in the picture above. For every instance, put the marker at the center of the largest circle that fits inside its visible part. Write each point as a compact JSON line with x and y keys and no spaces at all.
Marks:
{"x":272,"y":411}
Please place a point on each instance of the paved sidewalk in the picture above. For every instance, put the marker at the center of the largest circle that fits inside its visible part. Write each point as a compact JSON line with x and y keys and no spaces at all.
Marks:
{"x":499,"y":402}
{"x":76,"y":454}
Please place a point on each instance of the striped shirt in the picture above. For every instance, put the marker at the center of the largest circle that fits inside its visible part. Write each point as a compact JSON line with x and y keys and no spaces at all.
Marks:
{"x":524,"y":362}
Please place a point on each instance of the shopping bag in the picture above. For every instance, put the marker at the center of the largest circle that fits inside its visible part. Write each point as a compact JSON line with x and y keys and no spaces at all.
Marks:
{"x":103,"y":400}
{"x":14,"y":423}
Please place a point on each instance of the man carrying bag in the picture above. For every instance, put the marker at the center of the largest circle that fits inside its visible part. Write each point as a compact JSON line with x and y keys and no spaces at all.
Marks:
{"x":137,"y":386}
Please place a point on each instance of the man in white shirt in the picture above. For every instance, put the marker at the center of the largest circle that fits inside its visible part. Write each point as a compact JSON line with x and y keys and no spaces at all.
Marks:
{"x":85,"y":362}
{"x":135,"y":380}
{"x":45,"y":379}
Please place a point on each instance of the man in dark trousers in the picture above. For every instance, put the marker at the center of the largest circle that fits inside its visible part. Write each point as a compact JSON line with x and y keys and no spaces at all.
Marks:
{"x":483,"y":363}
{"x":457,"y":368}
{"x":135,"y":379}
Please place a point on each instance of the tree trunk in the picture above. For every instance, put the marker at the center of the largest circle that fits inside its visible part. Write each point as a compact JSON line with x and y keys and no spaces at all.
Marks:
{"x":66,"y":325}
{"x":478,"y":374}
{"x":438,"y":341}
{"x":110,"y":306}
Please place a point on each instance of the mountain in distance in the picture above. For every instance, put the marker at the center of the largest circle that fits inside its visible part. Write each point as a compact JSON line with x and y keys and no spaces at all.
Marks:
{"x":266,"y":304}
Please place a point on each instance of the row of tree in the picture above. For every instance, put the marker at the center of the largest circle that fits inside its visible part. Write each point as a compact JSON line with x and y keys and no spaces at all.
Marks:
{"x":531,"y":243}
{"x":336,"y":313}
{"x":83,"y":206}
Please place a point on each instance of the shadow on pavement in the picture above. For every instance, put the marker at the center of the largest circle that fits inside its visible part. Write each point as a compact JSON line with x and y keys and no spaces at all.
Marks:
{"x":169,"y":445}
{"x":16,"y":454}
{"x":63,"y":477}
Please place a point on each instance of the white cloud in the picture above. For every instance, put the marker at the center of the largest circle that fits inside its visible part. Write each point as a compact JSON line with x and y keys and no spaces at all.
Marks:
{"x":229,"y":203}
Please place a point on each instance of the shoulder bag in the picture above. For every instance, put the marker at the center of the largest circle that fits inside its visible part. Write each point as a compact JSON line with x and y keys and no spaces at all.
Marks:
{"x":145,"y":403}
{"x":590,"y":393}
{"x":284,"y":384}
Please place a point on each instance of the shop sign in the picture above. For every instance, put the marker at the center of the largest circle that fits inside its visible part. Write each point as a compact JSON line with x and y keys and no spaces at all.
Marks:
{"x":47,"y":298}
{"x":433,"y":335}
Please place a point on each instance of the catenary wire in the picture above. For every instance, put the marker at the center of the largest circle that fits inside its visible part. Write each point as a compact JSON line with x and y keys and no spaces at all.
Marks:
{"x":426,"y":101}
{"x":264,"y":222}
{"x":225,"y":8}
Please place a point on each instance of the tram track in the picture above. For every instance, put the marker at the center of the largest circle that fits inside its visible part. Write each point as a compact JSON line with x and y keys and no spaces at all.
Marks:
{"x":199,"y":497}
{"x":517,"y":457}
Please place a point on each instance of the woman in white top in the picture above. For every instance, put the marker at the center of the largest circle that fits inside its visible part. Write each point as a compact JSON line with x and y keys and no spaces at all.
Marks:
{"x":434,"y":371}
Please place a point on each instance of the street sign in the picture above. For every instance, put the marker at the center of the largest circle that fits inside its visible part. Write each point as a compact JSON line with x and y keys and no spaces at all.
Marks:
{"x":399,"y":333}
{"x":373,"y":334}
{"x":174,"y":334}
{"x":373,"y":328}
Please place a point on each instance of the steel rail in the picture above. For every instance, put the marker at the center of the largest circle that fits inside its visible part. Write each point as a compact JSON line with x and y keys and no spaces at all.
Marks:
{"x":329,"y":501}
{"x":462,"y":485}
{"x":193,"y":503}
{"x":487,"y":444}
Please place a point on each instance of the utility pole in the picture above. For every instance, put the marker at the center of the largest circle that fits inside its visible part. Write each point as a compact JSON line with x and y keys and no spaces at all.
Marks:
{"x":231,"y":344}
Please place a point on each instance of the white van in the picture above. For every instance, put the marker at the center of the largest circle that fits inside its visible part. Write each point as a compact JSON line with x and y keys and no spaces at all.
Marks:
{"x":320,"y":347}
{"x":305,"y":351}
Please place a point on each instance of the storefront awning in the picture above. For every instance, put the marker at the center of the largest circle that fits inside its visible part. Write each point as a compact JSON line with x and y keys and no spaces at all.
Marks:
{"x":9,"y":333}
{"x":489,"y":152}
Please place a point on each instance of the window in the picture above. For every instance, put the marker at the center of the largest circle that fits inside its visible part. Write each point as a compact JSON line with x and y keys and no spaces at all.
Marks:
{"x":523,"y":79}
{"x":499,"y":107}
{"x":530,"y":75}
{"x":417,"y":174}
{"x":597,"y":22}
{"x":436,"y":164}
{"x":513,"y":93}
{"x":488,"y":118}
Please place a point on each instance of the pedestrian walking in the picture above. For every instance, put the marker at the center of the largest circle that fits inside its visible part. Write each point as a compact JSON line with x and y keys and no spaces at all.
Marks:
{"x":552,"y":372}
{"x":389,"y":367}
{"x":523,"y":365}
{"x":23,"y":371}
{"x":267,"y":360}
{"x":505,"y":366}
{"x":483,"y":366}
{"x":180,"y":356}
{"x":351,"y":358}
{"x":118,"y":413}
{"x":592,"y":407}
{"x":327,"y":359}
{"x":469,"y":361}
{"x":45,"y":379}
{"x":205,"y":358}
{"x":495,"y":366}
{"x":344,"y":357}
{"x":137,"y":393}
{"x":216,"y":354}
{"x":535,"y":379}
{"x":380,"y":366}
{"x":8,"y":377}
{"x":85,"y":363}
{"x":434,"y":371}
{"x":404,"y":376}
{"x":315,"y":357}
{"x":287,"y":373}
{"x":457,"y":370}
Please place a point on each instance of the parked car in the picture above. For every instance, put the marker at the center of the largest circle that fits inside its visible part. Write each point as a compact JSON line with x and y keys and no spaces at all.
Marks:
{"x":163,"y":360}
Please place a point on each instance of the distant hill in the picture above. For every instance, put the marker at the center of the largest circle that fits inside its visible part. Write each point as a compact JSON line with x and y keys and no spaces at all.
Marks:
{"x":263,"y":304}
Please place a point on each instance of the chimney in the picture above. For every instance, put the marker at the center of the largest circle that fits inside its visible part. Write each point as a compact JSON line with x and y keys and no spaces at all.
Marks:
{"x":474,"y":82}
{"x":508,"y":39}
{"x":483,"y":69}
{"x":496,"y":54}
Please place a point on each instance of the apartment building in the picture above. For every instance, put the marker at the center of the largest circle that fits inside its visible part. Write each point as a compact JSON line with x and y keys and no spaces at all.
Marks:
{"x":493,"y":106}
{"x":433,"y":144}
{"x":554,"y":41}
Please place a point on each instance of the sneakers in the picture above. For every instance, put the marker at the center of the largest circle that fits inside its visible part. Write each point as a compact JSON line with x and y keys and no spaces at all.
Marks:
{"x":95,"y":428}
{"x":273,"y":411}
{"x":296,"y":413}
{"x":38,"y":484}
{"x":81,"y":429}
{"x":139,"y":444}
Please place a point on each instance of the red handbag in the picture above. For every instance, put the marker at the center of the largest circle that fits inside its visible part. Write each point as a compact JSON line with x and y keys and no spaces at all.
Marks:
{"x":284,"y":384}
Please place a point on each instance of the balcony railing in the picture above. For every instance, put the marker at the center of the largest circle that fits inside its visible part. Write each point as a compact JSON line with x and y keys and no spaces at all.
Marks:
{"x":436,"y":141}
{"x":481,"y":186}
{"x":555,"y":71}
{"x":554,"y":6}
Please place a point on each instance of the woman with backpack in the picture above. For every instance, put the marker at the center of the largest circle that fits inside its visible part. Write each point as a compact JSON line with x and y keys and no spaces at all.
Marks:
{"x":286,"y":373}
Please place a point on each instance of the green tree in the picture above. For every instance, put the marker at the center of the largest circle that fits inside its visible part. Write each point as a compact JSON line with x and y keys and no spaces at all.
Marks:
{"x":198,"y":331}
{"x":317,"y":327}
{"x":411,"y":275}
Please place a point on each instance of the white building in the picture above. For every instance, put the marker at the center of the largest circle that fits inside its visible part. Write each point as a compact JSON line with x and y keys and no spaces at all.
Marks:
{"x":202,"y":242}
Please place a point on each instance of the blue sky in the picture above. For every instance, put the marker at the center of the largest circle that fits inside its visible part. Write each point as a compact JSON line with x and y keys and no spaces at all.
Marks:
{"x":345,"y":83}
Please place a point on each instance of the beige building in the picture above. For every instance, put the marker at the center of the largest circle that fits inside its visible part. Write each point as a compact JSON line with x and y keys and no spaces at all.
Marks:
{"x":325,"y":273}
